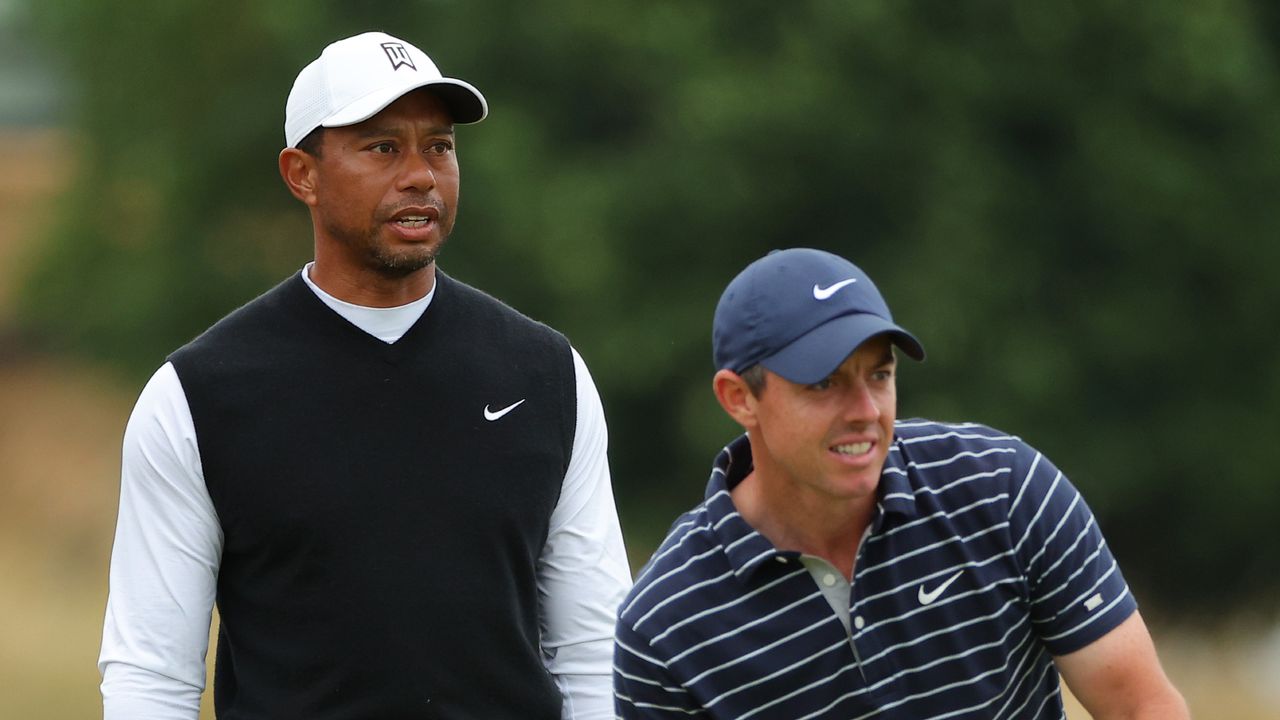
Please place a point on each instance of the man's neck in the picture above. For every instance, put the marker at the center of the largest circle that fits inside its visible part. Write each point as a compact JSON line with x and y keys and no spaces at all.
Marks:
{"x":827,"y":527}
{"x":372,"y":289}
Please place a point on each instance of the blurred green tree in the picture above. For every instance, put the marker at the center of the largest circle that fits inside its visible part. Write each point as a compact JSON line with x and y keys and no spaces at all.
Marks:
{"x":1071,"y":204}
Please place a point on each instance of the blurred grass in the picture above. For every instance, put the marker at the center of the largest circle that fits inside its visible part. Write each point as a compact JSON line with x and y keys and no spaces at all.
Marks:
{"x":60,"y":430}
{"x":34,"y":165}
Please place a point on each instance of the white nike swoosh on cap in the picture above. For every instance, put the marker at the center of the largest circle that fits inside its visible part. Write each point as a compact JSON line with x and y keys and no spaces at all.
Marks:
{"x":492,"y":415}
{"x":823,"y":293}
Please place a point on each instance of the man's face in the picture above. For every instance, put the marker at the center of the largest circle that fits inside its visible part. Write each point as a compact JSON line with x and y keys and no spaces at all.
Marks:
{"x":830,"y":439}
{"x":387,"y":188}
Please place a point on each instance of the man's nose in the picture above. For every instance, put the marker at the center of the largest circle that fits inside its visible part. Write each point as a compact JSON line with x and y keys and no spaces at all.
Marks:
{"x":860,"y":405}
{"x":416,"y":172}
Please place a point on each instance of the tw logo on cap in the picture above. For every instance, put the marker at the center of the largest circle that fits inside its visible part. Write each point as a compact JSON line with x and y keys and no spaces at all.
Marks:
{"x":398,"y":56}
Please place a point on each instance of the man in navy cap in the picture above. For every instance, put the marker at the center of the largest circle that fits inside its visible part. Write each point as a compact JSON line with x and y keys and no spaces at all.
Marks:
{"x":848,"y":565}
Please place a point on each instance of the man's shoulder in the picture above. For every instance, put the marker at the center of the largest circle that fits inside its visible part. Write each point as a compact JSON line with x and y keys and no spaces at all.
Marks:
{"x":475,"y":301}
{"x":921,"y":429}
{"x":930,"y":440}
{"x":957,"y":455}
{"x":248,"y":324}
{"x":689,"y":555}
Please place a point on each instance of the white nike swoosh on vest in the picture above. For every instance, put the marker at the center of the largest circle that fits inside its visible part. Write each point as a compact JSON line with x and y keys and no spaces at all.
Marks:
{"x":823,"y":293}
{"x":927,"y":598}
{"x":492,"y":415}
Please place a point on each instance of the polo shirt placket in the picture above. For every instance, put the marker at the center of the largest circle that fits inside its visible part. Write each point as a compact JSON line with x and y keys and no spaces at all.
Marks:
{"x":752,"y":555}
{"x":897,"y":504}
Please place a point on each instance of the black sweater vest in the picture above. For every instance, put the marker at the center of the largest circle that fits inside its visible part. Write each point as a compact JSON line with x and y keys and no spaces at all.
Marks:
{"x":381,"y":533}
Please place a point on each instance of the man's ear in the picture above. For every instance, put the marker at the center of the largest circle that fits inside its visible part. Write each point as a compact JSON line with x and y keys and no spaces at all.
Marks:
{"x":298,"y":170}
{"x":735,"y":396}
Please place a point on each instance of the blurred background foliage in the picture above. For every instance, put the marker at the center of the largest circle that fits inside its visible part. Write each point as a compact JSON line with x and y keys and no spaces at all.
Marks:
{"x":1073,"y":204}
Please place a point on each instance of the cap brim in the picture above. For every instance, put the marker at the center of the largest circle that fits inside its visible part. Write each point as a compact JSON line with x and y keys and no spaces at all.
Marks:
{"x":816,"y":354}
{"x":465,"y":103}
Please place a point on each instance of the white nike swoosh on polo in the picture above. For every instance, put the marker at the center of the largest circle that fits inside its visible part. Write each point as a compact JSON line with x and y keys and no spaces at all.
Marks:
{"x":492,"y":415}
{"x":927,"y":598}
{"x":823,"y":293}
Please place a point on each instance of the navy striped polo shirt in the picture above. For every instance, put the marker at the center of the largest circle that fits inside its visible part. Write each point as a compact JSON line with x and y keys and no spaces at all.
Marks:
{"x":981,"y":563}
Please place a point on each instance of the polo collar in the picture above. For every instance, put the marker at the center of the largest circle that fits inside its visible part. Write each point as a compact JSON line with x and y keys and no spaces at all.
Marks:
{"x":746,"y":549}
{"x":897,"y":488}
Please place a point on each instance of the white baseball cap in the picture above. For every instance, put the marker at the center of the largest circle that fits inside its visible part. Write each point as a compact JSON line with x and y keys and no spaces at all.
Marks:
{"x":355,"y":78}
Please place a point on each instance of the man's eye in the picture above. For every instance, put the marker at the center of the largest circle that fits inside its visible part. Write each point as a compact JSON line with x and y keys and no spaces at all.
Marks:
{"x":822,"y":384}
{"x":382,"y":148}
{"x":440,"y":148}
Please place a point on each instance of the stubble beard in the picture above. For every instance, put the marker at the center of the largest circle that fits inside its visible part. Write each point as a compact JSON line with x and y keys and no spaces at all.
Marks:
{"x":396,"y":264}
{"x":388,"y":262}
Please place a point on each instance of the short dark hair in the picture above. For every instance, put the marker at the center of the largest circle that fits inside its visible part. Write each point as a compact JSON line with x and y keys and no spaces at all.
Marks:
{"x":310,"y":144}
{"x":754,"y":377}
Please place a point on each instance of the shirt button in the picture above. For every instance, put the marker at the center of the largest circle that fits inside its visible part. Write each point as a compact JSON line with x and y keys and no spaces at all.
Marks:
{"x":829,"y":580}
{"x":859,"y":623}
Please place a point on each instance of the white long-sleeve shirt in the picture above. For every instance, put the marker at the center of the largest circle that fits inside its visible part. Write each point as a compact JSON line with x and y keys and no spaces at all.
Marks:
{"x":168,"y":545}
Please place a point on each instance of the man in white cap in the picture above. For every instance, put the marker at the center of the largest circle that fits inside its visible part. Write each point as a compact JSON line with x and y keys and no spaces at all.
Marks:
{"x":394,"y":487}
{"x":845,"y":565}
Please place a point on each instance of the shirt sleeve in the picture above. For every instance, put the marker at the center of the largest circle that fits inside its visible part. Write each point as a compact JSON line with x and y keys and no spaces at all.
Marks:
{"x":1077,"y":593}
{"x":164,"y":565}
{"x":641,"y":685}
{"x":583,"y":573}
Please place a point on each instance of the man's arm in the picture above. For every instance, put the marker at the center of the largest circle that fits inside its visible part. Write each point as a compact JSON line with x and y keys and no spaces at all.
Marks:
{"x":1080,"y":604}
{"x":1119,"y":676}
{"x":164,"y":565}
{"x":583,"y":573}
{"x":642,"y":688}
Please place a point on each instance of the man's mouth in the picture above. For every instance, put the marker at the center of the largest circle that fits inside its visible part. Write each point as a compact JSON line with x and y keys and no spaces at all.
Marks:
{"x":413,"y":221}
{"x":853,"y":449}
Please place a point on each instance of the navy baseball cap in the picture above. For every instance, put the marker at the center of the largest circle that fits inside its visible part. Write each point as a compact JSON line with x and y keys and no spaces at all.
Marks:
{"x":800,"y":312}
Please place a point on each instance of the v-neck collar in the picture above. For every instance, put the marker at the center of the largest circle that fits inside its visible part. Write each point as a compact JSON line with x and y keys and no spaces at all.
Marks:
{"x":386,"y":324}
{"x":318,"y":311}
